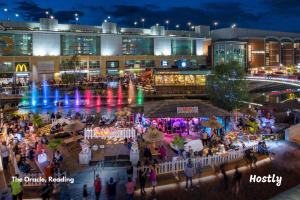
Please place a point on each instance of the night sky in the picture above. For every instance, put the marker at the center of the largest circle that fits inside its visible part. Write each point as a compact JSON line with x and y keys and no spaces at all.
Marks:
{"x":281,"y":15}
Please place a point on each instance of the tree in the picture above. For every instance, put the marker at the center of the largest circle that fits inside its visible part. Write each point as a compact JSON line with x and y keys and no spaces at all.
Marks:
{"x":37,"y":120}
{"x":227,"y":87}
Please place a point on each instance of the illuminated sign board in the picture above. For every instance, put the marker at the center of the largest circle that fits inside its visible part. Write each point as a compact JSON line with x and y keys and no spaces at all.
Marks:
{"x":187,"y":110}
{"x":22,"y":66}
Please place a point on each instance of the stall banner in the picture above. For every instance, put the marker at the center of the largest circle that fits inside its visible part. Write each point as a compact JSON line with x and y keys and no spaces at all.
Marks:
{"x":187,"y":110}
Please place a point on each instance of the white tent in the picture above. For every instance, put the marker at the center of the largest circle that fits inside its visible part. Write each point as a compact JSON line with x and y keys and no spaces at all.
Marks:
{"x":61,"y":121}
{"x":293,"y":134}
{"x":196,"y":145}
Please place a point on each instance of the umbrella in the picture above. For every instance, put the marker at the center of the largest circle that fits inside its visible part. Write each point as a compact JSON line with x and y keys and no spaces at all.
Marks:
{"x":153,"y":135}
{"x":76,"y":126}
{"x":212,"y":123}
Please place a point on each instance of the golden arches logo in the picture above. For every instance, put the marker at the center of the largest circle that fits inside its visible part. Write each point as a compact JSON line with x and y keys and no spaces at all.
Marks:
{"x":21,"y":68}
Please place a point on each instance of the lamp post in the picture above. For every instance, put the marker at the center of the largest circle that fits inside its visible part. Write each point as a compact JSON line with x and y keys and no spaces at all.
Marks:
{"x":167,"y":22}
{"x":6,"y":13}
{"x":51,"y":17}
{"x":233,"y":26}
{"x":216,"y":24}
{"x":47,"y":13}
{"x":143,"y":22}
{"x":77,"y":19}
{"x":135,"y":24}
{"x":177,"y":26}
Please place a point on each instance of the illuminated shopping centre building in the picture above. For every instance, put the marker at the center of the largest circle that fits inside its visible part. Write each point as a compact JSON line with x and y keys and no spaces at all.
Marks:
{"x":46,"y":49}
{"x":256,"y":50}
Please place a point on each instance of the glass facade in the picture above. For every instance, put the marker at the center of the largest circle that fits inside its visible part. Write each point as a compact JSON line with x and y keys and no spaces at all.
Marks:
{"x":80,"y":45}
{"x":225,"y":52}
{"x":183,"y":47}
{"x":94,"y":65}
{"x":137,"y":46}
{"x":139,"y":63}
{"x":15,"y":44}
{"x":6,"y":67}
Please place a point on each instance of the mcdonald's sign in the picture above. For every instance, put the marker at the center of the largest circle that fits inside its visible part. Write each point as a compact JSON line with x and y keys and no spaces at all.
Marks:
{"x":22,"y":66}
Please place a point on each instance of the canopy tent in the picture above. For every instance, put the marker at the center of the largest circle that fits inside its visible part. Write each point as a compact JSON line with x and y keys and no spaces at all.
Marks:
{"x":212,"y":123}
{"x":75,"y":126}
{"x":153,"y":135}
{"x":61,"y":121}
{"x":292,"y":134}
{"x":182,"y":108}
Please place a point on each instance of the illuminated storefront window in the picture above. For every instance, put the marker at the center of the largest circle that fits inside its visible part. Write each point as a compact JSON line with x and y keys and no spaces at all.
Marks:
{"x":225,"y":52}
{"x":183,"y":47}
{"x":137,"y":46}
{"x":15,"y":44}
{"x":80,"y":45}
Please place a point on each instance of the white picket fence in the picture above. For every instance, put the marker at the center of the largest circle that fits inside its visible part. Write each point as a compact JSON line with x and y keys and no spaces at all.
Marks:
{"x":122,"y":133}
{"x":200,"y":162}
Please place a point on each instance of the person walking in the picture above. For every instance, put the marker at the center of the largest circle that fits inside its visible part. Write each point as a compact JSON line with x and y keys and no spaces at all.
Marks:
{"x":97,"y":186}
{"x":16,"y":188}
{"x":225,"y":177}
{"x":189,"y":172}
{"x":130,"y":185}
{"x":4,"y":155}
{"x":153,"y":178}
{"x":111,"y":189}
{"x":142,"y":180}
{"x":84,"y":192}
{"x":237,"y":181}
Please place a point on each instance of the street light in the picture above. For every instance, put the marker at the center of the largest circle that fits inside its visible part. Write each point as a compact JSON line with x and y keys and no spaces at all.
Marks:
{"x":17,"y":15}
{"x":5,"y":9}
{"x":76,"y":14}
{"x":51,"y":17}
{"x":233,"y":25}
{"x":135,"y":23}
{"x":189,"y":24}
{"x":167,"y":22}
{"x":216,"y":24}
{"x":177,"y":26}
{"x":77,"y":19}
{"x":143,"y":22}
{"x":157,"y":24}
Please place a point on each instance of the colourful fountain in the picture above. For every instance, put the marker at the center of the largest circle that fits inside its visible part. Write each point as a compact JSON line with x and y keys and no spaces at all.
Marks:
{"x":45,"y":89}
{"x":131,"y":93}
{"x":109,"y":100}
{"x":98,"y":100}
{"x":56,"y":97}
{"x":34,"y":95}
{"x":88,"y":97}
{"x":140,"y":96}
{"x":77,"y":97}
{"x":66,"y":101}
{"x":120,"y":95}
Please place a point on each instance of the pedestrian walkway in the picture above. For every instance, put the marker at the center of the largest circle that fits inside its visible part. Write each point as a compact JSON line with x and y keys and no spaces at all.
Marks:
{"x":291,"y":194}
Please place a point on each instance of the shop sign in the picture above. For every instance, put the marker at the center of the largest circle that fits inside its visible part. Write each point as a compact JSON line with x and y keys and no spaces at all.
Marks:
{"x":187,"y":110}
{"x":22,"y":66}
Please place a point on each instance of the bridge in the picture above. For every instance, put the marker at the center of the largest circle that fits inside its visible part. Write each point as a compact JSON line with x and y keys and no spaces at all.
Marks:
{"x":285,"y":81}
